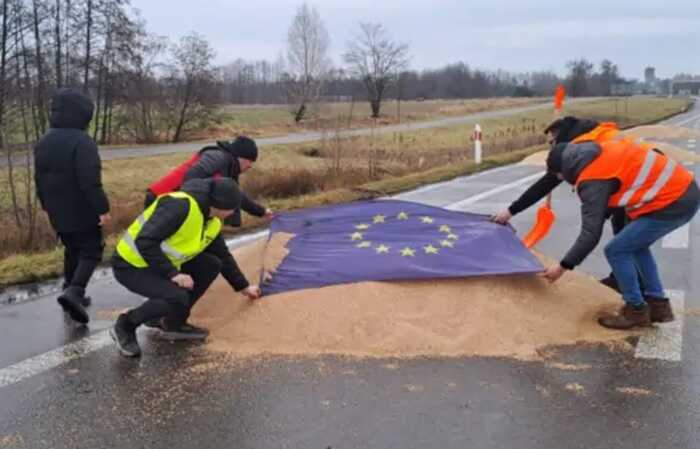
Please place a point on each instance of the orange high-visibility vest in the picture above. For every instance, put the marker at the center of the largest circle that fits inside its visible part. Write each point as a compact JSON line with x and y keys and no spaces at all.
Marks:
{"x":649,"y":180}
{"x":604,"y":131}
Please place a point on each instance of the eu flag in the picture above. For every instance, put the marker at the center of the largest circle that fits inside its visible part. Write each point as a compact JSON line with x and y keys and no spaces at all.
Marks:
{"x":391,"y":240}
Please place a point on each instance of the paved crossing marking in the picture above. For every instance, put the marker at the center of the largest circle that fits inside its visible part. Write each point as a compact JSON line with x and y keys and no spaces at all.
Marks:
{"x":665,"y":340}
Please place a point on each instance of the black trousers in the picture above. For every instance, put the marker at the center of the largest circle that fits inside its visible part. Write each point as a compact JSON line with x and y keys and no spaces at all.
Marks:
{"x":82,"y":254}
{"x":166,"y":298}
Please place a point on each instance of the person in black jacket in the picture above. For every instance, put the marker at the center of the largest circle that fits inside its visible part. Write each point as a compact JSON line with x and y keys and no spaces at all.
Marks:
{"x":171,"y":292}
{"x":227,"y":159}
{"x":69,"y":187}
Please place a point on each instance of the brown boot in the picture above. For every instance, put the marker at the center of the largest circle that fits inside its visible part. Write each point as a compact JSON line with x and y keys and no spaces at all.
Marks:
{"x":660,"y":310}
{"x":627,"y":318}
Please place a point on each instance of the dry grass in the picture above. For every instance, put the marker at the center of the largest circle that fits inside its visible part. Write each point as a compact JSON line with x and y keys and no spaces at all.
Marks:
{"x":330,"y":171}
{"x":275,"y":120}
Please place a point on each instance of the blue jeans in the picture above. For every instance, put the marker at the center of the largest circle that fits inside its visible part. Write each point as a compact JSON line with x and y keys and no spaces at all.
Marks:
{"x":629,"y":253}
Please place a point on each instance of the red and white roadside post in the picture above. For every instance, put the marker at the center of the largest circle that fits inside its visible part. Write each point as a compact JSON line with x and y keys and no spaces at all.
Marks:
{"x":477,"y":144}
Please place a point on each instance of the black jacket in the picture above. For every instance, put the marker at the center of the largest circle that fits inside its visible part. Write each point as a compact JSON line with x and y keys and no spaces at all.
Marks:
{"x":595,"y":195}
{"x":166,"y":219}
{"x":215,"y":159}
{"x":67,"y":166}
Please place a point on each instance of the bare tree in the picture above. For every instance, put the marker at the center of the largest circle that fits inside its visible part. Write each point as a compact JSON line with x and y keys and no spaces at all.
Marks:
{"x":375,"y":59}
{"x":307,"y":60}
{"x":191,"y":73}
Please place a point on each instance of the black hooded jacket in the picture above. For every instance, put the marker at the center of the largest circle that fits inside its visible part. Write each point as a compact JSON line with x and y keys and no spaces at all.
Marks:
{"x":216,"y":159}
{"x":166,"y":219}
{"x":67,"y":166}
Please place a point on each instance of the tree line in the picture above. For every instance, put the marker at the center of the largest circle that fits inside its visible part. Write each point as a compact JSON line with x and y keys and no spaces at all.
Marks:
{"x":148,"y":89}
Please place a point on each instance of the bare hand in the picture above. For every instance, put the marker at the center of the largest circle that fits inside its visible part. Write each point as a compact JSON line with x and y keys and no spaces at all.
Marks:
{"x":105,"y":219}
{"x":252,"y":292}
{"x":553,"y":273}
{"x":502,"y":217}
{"x":269,"y":214}
{"x":183,"y":280}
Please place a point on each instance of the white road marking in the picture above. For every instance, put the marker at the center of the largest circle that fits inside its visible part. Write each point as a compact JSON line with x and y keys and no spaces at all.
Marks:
{"x":678,"y":238}
{"x":665,"y":341}
{"x":48,"y":360}
{"x":461,"y":205}
{"x":688,"y":120}
{"x":691,"y":141}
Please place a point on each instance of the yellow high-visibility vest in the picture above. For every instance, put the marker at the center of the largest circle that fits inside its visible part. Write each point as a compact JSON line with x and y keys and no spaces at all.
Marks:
{"x":193,"y":236}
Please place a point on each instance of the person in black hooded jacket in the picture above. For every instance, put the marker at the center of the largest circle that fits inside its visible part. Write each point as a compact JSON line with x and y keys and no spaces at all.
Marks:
{"x":69,"y":187}
{"x":227,"y":159}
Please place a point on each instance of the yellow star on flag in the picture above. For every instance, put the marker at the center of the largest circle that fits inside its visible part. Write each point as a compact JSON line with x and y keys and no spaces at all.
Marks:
{"x":430,"y":249}
{"x":381,"y":249}
{"x":356,"y":236}
{"x":447,"y":244}
{"x":362,"y":226}
{"x":379,"y":218}
{"x":445,"y":228}
{"x":426,"y":220}
{"x":408,"y":252}
{"x":364,"y":245}
{"x":452,"y":236}
{"x":402,"y":216}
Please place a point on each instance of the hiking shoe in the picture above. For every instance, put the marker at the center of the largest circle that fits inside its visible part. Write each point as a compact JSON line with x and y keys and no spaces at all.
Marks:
{"x":72,"y":302}
{"x":183,"y":332}
{"x":610,"y":282}
{"x":627,"y":318}
{"x":155,"y":324}
{"x":660,"y":310}
{"x":124,"y":335}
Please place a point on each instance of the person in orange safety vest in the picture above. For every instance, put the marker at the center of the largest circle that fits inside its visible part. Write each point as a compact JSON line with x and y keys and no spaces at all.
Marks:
{"x":658,"y":194}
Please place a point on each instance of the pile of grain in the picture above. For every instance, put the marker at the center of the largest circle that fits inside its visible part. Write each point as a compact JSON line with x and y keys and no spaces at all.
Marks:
{"x":511,"y":316}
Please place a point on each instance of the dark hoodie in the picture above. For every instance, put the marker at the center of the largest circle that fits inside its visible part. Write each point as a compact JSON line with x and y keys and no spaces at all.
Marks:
{"x":166,"y":219}
{"x":68,"y":168}
{"x":568,"y":128}
{"x":220,"y":159}
{"x":595,"y":195}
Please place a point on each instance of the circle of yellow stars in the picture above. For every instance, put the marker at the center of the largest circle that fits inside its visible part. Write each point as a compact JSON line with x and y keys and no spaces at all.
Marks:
{"x":448,"y":240}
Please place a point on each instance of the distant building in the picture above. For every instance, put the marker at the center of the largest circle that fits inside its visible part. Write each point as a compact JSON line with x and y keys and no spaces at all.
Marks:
{"x":685,"y":87}
{"x":649,"y":75}
{"x":625,"y":88}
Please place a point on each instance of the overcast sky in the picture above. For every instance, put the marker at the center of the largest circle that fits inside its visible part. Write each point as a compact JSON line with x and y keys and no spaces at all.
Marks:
{"x":515,"y":35}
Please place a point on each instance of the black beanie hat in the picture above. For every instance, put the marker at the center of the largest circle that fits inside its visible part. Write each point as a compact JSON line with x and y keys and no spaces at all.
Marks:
{"x":243,"y":146}
{"x":569,"y":128}
{"x":224,"y":194}
{"x":555,"y":158}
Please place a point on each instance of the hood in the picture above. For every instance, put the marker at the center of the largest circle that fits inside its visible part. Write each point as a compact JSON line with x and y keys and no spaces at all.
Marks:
{"x":570,"y":128}
{"x":576,"y":157}
{"x":70,"y":108}
{"x":199,"y":189}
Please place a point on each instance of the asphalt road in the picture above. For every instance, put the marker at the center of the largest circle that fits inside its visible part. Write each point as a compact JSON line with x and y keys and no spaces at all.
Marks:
{"x":65,"y":388}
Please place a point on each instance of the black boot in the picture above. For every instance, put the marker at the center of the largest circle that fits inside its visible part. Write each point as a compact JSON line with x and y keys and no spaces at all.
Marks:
{"x":185,"y":331}
{"x":86,"y":301}
{"x":124,"y":335}
{"x":72,"y":302}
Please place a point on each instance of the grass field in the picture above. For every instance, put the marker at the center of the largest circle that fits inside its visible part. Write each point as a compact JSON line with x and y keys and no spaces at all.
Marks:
{"x":329,"y":171}
{"x":272,"y":120}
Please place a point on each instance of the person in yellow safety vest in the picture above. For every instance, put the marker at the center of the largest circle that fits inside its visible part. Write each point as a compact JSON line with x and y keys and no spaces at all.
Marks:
{"x":658,"y":194}
{"x":171,"y":254}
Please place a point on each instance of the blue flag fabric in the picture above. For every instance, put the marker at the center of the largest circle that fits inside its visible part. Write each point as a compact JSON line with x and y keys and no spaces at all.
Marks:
{"x":392,"y":240}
